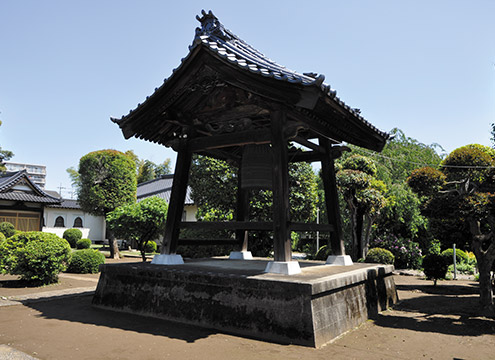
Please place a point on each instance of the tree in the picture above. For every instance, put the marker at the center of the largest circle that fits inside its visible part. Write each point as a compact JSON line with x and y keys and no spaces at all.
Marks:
{"x":467,"y":201}
{"x":107,"y":181}
{"x":4,"y":156}
{"x":364,"y":196}
{"x":140,"y":222}
{"x":147,"y":170}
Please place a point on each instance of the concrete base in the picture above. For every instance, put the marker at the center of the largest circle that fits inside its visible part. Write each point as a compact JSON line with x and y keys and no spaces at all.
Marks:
{"x":283,"y":267}
{"x":339,"y":260}
{"x":167,"y":259}
{"x":241,"y":255}
{"x":310,"y":308}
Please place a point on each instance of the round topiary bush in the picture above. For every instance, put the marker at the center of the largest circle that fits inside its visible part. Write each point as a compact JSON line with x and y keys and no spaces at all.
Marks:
{"x":435,"y":267}
{"x":7,"y":229}
{"x":460,"y":256}
{"x":36,"y":256}
{"x":2,"y":237}
{"x":72,"y":236}
{"x":86,"y":261}
{"x":379,"y":256}
{"x":83,"y":244}
{"x":150,"y":247}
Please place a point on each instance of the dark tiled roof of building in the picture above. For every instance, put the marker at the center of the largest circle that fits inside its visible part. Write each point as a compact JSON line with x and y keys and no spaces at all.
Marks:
{"x":162,"y":188}
{"x":67,"y":204}
{"x":37,"y":195}
{"x":213,"y":36}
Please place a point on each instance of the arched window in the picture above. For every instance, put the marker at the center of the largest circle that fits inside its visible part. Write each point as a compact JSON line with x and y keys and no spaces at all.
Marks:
{"x":78,"y":222}
{"x":59,"y":222}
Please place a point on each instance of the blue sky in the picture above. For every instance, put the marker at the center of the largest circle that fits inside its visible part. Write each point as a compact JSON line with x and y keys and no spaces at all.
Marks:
{"x":66,"y":67}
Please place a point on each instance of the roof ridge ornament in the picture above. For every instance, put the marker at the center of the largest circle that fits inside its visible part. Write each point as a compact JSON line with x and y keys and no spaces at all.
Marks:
{"x":210,"y":25}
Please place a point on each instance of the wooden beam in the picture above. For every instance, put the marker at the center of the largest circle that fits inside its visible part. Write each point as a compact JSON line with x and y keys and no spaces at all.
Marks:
{"x":233,"y":139}
{"x":306,"y":156}
{"x":311,"y":227}
{"x":177,"y":197}
{"x":331,"y":199}
{"x":227,"y":225}
{"x":207,"y":242}
{"x":281,"y":234}
{"x":309,"y":144}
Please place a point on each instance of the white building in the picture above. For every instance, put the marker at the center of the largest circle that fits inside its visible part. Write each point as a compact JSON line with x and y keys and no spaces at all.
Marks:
{"x":37,"y":173}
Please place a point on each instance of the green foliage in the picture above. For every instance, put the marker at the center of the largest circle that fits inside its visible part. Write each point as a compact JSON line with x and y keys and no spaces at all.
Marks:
{"x":434,"y":247}
{"x":86,"y":261}
{"x":463,"y":268}
{"x":460,"y":256}
{"x":214,"y":190}
{"x":108,"y":180}
{"x":7,"y":229}
{"x":36,"y":256}
{"x":83,"y":244}
{"x":2,"y":237}
{"x":379,"y":256}
{"x":401,"y":214}
{"x":72,"y":236}
{"x":406,"y":252}
{"x":470,"y":156}
{"x":140,"y":222}
{"x":435,"y":267}
{"x":150,"y":247}
{"x":4,"y":156}
{"x":426,"y":181}
{"x":147,"y":170}
{"x":322,"y":253}
{"x":360,"y":163}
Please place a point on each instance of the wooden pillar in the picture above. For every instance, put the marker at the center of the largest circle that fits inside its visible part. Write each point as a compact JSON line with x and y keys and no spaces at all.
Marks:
{"x":242,"y":212}
{"x":281,"y":233}
{"x":331,"y":198}
{"x":177,"y":198}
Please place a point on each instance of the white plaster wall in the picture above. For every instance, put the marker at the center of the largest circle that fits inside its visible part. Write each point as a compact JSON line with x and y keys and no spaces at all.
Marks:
{"x":190,"y":212}
{"x":93,"y":226}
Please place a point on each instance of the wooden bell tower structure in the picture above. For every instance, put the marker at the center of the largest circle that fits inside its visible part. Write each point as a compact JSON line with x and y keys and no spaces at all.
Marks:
{"x":228,"y":101}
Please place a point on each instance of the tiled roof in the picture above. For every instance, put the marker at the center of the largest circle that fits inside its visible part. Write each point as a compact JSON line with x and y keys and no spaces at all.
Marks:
{"x":67,"y":204}
{"x":162,"y":188}
{"x":10,"y":179}
{"x":213,"y":36}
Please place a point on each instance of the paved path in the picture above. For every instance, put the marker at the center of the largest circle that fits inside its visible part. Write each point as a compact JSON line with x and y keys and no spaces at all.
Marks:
{"x":8,"y":353}
{"x":48,"y":295}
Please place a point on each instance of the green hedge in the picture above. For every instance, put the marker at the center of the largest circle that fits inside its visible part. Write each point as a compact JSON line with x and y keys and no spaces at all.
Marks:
{"x":83,"y":244}
{"x":36,"y":256}
{"x":435,"y":267}
{"x":379,"y":256}
{"x":7,"y":229}
{"x":86,"y":261}
{"x":72,"y":236}
{"x":460,"y":256}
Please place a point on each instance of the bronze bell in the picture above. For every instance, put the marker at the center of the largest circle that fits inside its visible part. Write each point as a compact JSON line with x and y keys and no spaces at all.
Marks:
{"x":256,"y":167}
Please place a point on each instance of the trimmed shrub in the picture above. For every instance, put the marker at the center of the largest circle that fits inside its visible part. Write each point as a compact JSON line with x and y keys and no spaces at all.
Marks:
{"x":83,"y":244}
{"x":72,"y":236}
{"x":406,"y":252}
{"x":36,"y":256}
{"x":150,"y":247}
{"x":460,"y":256}
{"x":86,"y":261}
{"x":435,"y":267}
{"x":379,"y":256}
{"x":7,"y":229}
{"x":2,"y":237}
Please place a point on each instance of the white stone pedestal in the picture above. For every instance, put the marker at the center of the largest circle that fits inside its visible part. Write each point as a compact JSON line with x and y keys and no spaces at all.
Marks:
{"x":283,"y":267}
{"x":339,"y":260}
{"x":241,"y":255}
{"x":167,"y":259}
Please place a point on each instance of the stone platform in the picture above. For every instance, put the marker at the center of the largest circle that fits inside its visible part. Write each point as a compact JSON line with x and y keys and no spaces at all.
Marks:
{"x":236,"y":296}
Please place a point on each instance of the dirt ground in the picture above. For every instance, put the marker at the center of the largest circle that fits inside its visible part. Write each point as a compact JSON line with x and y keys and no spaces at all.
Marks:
{"x":428,"y":323}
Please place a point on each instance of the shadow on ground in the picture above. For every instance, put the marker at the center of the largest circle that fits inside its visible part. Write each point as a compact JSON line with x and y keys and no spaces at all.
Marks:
{"x":79,"y":309}
{"x":452,"y":309}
